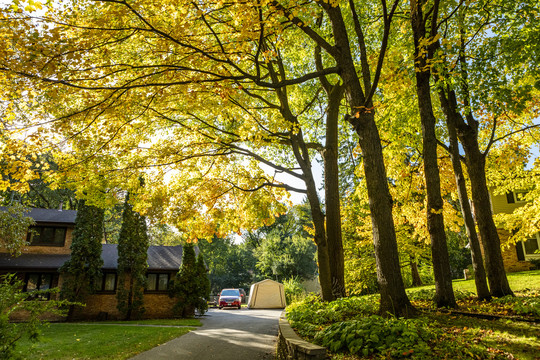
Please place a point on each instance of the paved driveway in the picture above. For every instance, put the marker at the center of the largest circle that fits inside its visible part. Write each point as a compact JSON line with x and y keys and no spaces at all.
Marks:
{"x":227,"y":334}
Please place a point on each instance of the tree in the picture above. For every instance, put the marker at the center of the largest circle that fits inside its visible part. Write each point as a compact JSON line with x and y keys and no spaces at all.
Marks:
{"x":41,"y":193}
{"x":482,"y":289}
{"x":132,"y":265}
{"x":203,"y":284}
{"x":359,"y":93}
{"x":226,"y":145}
{"x":483,"y":97}
{"x":82,"y":272}
{"x":283,"y":256}
{"x":285,"y":249}
{"x":14,"y":225}
{"x":424,"y":25}
{"x":230,"y":265}
{"x":189,"y":286}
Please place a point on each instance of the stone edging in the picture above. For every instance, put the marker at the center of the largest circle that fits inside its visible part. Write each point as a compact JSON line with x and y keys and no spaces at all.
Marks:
{"x":292,"y":347}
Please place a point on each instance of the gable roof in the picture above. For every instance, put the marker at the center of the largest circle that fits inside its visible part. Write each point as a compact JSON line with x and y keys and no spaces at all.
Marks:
{"x":50,"y":215}
{"x":160,"y":258}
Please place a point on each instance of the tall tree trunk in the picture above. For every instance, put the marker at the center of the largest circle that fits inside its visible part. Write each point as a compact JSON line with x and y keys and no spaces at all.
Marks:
{"x":394,"y":300}
{"x":302,"y":156}
{"x":476,"y":166}
{"x":444,"y":296}
{"x":323,"y":260}
{"x":416,"y":280}
{"x":332,"y":199}
{"x":449,"y":109}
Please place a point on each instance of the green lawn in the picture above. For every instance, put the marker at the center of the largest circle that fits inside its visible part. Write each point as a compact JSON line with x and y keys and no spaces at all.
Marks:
{"x":98,"y":341}
{"x":519,"y":281}
{"x":164,"y":322}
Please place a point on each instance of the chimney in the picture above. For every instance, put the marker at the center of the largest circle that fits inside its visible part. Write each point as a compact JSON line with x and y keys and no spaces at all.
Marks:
{"x":61,"y":205}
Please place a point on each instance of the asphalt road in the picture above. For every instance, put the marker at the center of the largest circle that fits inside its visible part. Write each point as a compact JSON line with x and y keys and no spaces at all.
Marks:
{"x":227,"y":334}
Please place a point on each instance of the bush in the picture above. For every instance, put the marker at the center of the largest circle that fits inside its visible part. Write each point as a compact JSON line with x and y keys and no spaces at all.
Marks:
{"x":312,"y":314}
{"x":191,"y":286}
{"x":13,"y":299}
{"x":521,"y":305}
{"x":390,"y":336}
{"x":429,"y":295}
{"x":294,"y":291}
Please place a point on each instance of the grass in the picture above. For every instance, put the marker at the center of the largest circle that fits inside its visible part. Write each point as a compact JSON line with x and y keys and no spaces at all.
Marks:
{"x":503,"y":337}
{"x":162,"y":322}
{"x":518,"y":281}
{"x":97,"y":341}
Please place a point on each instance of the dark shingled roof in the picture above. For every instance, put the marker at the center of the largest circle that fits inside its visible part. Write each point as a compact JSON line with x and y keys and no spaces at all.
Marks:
{"x":159,"y":257}
{"x":50,"y":215}
{"x":33,"y":261}
{"x":163,"y":258}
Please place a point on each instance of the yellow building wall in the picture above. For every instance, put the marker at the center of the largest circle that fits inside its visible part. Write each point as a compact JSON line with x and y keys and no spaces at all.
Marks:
{"x":500,"y":205}
{"x":55,"y":250}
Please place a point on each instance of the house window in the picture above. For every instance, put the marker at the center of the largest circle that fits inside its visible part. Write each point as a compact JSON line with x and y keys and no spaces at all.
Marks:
{"x":38,"y":281}
{"x":47,"y":236}
{"x":157,"y":282}
{"x":108,"y":282}
{"x":517,"y":196}
{"x":530,"y":248}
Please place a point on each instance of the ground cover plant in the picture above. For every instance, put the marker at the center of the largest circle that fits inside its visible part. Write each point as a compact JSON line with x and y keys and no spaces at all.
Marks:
{"x":96,"y":341}
{"x":350,"y":328}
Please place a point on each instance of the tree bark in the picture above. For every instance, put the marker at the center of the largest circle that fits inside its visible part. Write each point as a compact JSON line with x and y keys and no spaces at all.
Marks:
{"x":323,"y":260}
{"x":444,"y":296}
{"x":416,"y":280}
{"x":476,"y":166}
{"x":482,"y":289}
{"x":394,"y":300}
{"x":332,"y":199}
{"x":302,"y":156}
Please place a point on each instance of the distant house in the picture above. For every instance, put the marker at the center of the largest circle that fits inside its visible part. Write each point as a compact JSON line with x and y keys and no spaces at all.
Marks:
{"x":49,"y":248}
{"x":516,"y":258}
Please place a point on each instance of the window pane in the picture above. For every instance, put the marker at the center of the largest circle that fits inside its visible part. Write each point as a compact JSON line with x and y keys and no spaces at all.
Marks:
{"x":510,"y":197}
{"x":59,"y":236}
{"x":163,"y":281}
{"x":46,"y":280}
{"x":531,"y":246}
{"x":110,"y":282}
{"x":151,"y":284}
{"x":32,"y":283}
{"x":35,"y":235}
{"x":47,"y":236}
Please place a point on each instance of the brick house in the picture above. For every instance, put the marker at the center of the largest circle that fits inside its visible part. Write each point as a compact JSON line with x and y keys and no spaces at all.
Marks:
{"x":49,"y":248}
{"x":518,"y":256}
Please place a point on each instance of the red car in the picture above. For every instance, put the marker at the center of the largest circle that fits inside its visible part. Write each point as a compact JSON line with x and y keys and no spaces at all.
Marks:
{"x":230,"y":298}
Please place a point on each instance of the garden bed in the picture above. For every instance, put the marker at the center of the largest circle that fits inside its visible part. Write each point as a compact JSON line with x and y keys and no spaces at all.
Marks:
{"x":350,"y":328}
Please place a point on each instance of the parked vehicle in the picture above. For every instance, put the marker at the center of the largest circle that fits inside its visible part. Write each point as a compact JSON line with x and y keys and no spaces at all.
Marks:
{"x":230,"y":298}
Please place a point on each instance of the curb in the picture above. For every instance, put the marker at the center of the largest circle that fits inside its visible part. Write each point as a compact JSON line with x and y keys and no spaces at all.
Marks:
{"x":292,"y":347}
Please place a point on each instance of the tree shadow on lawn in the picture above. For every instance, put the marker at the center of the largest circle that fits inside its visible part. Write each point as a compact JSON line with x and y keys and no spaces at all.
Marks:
{"x":514,"y":337}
